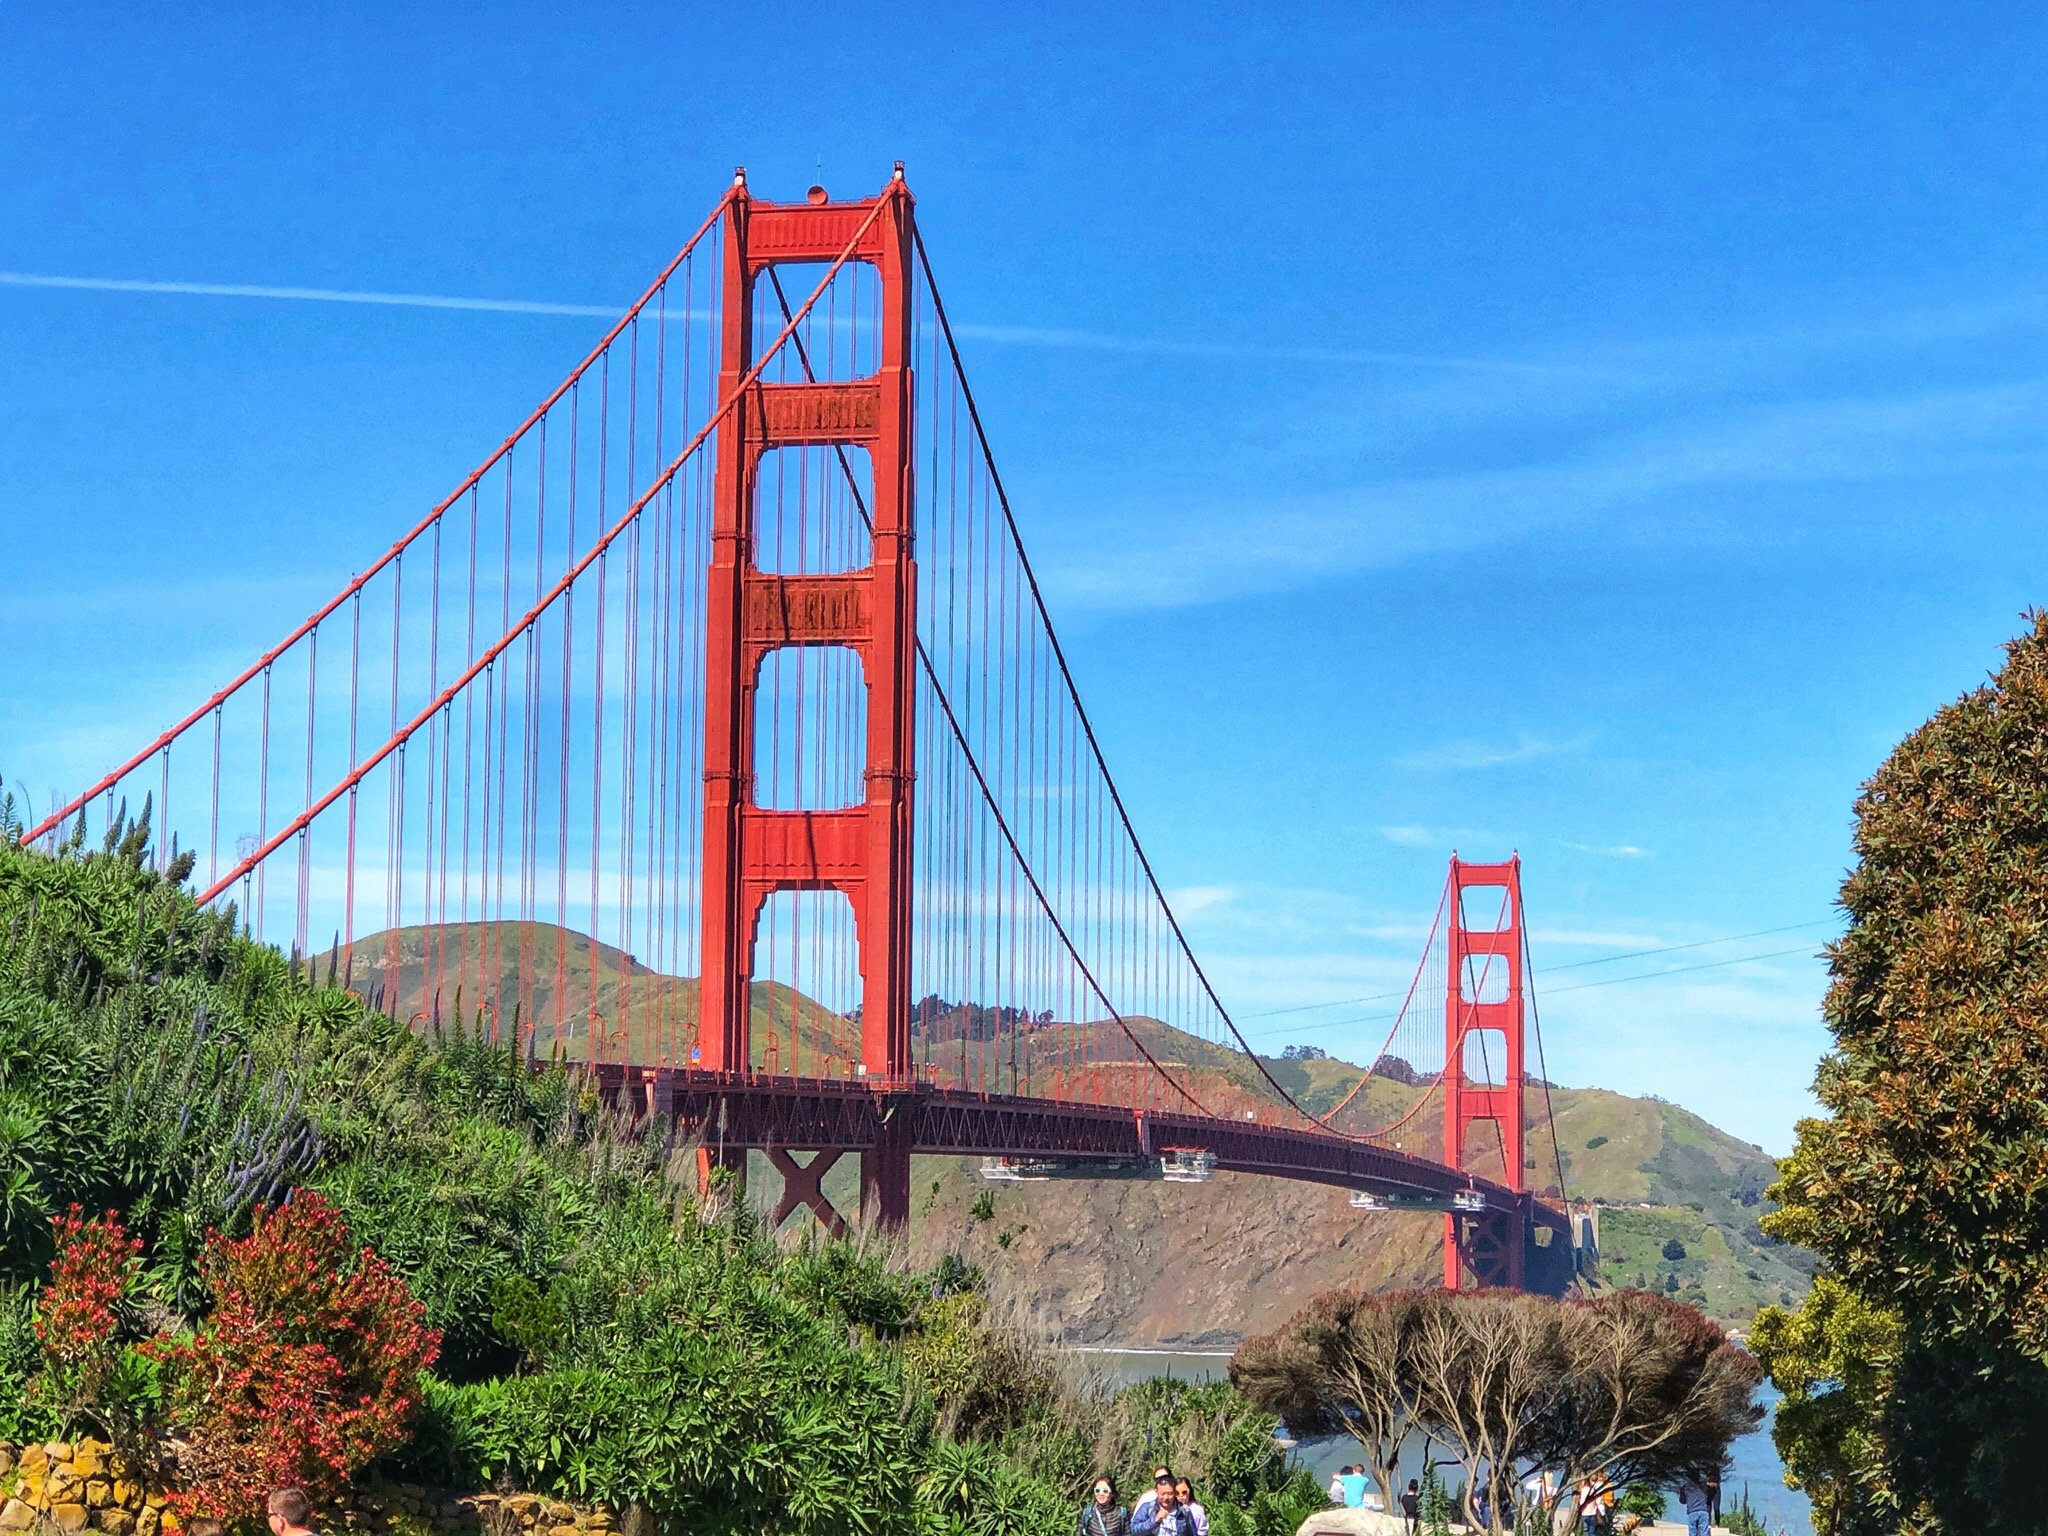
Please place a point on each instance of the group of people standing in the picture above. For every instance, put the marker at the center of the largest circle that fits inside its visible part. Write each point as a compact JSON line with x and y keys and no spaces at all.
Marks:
{"x":1352,"y":1488}
{"x":1168,"y":1508}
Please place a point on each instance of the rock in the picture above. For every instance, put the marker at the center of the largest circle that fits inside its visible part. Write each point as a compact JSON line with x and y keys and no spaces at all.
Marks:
{"x":6,"y":1458}
{"x":61,"y":1486}
{"x":33,"y":1460}
{"x":147,"y":1522}
{"x":69,"y":1518}
{"x":16,"y":1516}
{"x":89,"y":1458}
{"x":99,"y":1493}
{"x":126,"y":1494}
{"x":58,"y":1450}
{"x":116,"y":1522}
{"x":1352,"y":1522}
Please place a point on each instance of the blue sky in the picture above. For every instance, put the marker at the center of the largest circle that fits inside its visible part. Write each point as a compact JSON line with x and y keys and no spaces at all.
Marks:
{"x":1600,"y":435}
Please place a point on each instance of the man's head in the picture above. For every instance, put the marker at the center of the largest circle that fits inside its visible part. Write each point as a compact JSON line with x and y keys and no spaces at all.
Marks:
{"x":1413,"y":1485}
{"x":289,"y":1510}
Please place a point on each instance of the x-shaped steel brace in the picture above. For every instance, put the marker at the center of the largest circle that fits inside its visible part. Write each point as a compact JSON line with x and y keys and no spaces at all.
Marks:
{"x":800,"y":1187}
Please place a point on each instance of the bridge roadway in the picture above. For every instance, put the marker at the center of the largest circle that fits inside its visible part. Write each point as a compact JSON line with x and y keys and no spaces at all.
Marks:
{"x":746,"y":1111}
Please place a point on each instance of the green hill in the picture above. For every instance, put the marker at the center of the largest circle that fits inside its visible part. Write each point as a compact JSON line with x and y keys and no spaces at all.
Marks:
{"x":1143,"y":1262}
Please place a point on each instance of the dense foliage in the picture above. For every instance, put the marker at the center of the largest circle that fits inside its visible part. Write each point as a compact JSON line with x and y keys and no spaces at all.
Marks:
{"x":1626,"y":1388}
{"x":602,"y":1334}
{"x":1926,"y":1188}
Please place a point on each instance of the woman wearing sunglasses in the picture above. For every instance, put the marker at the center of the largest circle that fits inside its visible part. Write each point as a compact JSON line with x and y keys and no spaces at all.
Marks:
{"x":1102,"y":1515}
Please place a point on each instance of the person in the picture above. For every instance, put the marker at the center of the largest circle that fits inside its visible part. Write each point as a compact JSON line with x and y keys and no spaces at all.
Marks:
{"x":289,"y":1513}
{"x":1698,"y":1503}
{"x":1184,"y":1495}
{"x":1337,"y":1485}
{"x":1102,"y":1515}
{"x":1160,"y":1477}
{"x":1163,"y":1516}
{"x":1411,"y":1507}
{"x":1354,"y":1487}
{"x":1589,"y":1508}
{"x":1482,"y":1508}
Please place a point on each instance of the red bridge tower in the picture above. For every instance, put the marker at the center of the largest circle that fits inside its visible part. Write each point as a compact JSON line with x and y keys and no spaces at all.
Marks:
{"x":863,"y":850}
{"x":1483,"y":1015}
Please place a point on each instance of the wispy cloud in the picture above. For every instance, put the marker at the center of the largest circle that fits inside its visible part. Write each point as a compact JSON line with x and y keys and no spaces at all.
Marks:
{"x":1164,"y":346}
{"x":1416,"y":835}
{"x":1599,"y":938}
{"x":1190,"y":899}
{"x":1466,"y":756}
{"x":1609,"y":850}
{"x":1608,"y":464}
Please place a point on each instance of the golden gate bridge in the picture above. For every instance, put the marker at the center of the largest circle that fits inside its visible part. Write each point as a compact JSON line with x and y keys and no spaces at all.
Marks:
{"x":714,"y":733}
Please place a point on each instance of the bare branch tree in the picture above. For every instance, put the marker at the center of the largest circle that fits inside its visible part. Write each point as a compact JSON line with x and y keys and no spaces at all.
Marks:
{"x":1627,"y":1388}
{"x":1340,"y":1365}
{"x":1488,"y":1371}
{"x":1656,"y":1392}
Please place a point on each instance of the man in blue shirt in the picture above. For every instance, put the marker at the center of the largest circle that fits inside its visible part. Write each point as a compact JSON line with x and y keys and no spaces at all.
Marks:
{"x":1164,"y":1515}
{"x":1353,"y":1479}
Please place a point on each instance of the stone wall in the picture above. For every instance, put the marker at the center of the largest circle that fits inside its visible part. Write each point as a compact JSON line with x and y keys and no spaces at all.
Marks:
{"x":71,"y":1488}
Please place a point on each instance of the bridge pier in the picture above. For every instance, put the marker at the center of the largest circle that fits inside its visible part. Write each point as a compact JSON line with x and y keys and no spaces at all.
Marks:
{"x":885,"y":1175}
{"x":1485,"y":1251}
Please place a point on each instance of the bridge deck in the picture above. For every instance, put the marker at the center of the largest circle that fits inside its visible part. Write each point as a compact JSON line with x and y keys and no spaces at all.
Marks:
{"x":754,"y":1110}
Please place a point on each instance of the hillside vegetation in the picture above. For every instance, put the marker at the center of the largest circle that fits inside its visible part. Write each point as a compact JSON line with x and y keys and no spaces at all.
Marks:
{"x":604,"y":1333}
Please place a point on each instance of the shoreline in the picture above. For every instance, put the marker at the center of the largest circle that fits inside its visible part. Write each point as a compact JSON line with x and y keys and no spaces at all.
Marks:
{"x":1117,"y":1349}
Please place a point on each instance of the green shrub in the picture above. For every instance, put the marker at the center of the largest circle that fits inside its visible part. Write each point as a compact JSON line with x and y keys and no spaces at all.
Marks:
{"x":1743,"y":1520}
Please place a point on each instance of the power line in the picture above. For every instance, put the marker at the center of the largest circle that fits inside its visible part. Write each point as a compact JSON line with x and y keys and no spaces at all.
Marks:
{"x":1668,"y":949}
{"x":1684,"y":970}
{"x":1548,"y":970}
{"x":1612,"y":981}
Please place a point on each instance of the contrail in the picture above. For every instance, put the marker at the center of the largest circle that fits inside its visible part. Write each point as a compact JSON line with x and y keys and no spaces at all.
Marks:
{"x":317,"y":295}
{"x":1012,"y":335}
